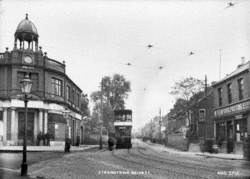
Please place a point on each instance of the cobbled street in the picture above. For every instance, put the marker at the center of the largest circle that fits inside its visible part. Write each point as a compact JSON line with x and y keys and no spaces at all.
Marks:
{"x":143,"y":161}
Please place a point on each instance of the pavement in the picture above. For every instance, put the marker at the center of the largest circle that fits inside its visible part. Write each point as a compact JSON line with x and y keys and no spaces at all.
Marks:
{"x":45,"y":148}
{"x":8,"y":171}
{"x":225,"y":156}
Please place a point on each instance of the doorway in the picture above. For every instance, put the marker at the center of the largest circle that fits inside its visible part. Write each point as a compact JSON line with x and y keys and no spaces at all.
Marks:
{"x":82,"y":135}
{"x":230,"y":140}
{"x":30,"y":127}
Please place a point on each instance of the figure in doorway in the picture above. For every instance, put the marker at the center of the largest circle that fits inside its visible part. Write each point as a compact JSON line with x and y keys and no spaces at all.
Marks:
{"x":47,"y":136}
{"x":39,"y":137}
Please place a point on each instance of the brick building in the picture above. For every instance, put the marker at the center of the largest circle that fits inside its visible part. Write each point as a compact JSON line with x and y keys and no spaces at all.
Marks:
{"x":53,"y":93}
{"x":231,"y":109}
{"x":202,"y":119}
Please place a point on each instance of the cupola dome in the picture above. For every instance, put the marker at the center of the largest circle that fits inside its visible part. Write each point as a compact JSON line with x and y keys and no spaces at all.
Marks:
{"x":27,"y":35}
{"x":26,"y":30}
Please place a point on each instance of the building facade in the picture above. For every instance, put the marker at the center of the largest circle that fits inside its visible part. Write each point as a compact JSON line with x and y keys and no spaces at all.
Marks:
{"x":54,"y":102}
{"x":202,"y":120}
{"x":231,"y":110}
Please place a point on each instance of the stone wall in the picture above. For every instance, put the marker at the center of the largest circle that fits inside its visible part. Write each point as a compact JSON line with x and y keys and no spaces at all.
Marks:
{"x":177,"y":141}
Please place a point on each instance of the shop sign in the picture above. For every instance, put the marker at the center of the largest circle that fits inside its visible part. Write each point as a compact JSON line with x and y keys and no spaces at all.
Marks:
{"x":232,"y":109}
{"x":239,"y":116}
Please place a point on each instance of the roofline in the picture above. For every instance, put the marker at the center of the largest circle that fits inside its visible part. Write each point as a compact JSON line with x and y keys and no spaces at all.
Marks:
{"x":226,"y":79}
{"x":73,"y":82}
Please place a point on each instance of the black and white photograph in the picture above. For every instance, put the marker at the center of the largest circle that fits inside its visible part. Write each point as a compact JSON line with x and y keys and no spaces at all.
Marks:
{"x":106,"y":89}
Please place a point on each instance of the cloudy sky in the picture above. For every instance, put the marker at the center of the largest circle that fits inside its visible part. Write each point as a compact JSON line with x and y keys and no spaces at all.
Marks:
{"x":98,"y":37}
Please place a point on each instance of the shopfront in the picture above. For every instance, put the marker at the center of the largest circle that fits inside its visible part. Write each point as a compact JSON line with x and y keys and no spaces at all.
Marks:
{"x":56,"y":127}
{"x":231,"y":127}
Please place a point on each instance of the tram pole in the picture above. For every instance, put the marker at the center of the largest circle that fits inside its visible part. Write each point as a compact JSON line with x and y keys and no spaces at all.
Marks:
{"x":160,"y":123}
{"x":101,"y":116}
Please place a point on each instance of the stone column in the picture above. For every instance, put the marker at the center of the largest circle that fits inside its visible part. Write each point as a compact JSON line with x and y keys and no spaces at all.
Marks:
{"x":35,"y":126}
{"x":13,"y":125}
{"x":4,"y":125}
{"x":46,"y":122}
{"x":16,"y":127}
{"x":40,"y":121}
{"x":215,"y":130}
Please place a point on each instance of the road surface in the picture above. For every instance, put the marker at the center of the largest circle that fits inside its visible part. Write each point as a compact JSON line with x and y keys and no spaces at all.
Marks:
{"x":142,"y":161}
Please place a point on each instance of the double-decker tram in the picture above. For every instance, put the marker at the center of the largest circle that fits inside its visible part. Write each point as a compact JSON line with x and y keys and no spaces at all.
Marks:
{"x":123,"y":127}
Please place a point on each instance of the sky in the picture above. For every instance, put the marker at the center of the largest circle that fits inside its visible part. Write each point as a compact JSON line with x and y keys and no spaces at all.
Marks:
{"x":99,"y":37}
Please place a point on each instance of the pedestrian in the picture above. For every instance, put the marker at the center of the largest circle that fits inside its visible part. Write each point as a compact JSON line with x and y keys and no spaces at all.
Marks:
{"x":47,"y":136}
{"x":67,"y":145}
{"x":78,"y":141}
{"x":43,"y":138}
{"x":110,"y":143}
{"x":39,"y":136}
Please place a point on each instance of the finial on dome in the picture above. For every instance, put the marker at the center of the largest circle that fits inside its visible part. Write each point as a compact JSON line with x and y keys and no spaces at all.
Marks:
{"x":26,"y":16}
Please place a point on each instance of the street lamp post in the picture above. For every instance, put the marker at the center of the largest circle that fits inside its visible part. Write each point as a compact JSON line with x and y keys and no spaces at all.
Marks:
{"x":25,"y":86}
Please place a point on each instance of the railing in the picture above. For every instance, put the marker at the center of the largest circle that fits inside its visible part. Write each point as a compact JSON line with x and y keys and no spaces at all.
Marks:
{"x":4,"y":58}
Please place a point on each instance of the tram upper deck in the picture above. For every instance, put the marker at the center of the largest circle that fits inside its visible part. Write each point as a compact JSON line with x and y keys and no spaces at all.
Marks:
{"x":123,"y":117}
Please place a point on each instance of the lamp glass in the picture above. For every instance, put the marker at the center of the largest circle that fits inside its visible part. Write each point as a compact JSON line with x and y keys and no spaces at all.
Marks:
{"x":26,"y":85}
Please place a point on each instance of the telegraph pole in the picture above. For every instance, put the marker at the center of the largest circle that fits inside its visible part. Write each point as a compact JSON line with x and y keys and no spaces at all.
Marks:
{"x":220,"y":64}
{"x":166,"y":131}
{"x":101,"y":116}
{"x":151,"y":130}
{"x":160,"y":123}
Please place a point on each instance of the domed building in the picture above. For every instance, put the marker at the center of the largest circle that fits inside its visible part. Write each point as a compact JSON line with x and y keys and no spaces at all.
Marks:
{"x":54,"y":101}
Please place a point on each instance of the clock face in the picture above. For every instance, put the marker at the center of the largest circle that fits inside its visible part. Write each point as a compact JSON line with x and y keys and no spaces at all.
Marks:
{"x":27,"y":59}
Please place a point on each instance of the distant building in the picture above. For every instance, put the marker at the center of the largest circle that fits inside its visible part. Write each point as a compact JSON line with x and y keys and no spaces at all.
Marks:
{"x":202,"y":119}
{"x":54,"y":104}
{"x":231,"y":109}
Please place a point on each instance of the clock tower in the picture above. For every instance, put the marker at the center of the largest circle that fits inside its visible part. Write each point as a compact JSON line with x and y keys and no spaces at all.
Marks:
{"x":26,"y":41}
{"x":52,"y":92}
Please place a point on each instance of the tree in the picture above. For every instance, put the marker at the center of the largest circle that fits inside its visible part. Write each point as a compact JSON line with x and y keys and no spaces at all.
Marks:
{"x":84,"y":105}
{"x":187,"y":88}
{"x":114,"y":91}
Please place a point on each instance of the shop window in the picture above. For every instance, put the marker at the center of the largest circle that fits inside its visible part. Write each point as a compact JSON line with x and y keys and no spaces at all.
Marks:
{"x":240,"y":88}
{"x":221,"y":132}
{"x":56,"y":86}
{"x":229,"y":93}
{"x":202,"y":115}
{"x":240,"y":130}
